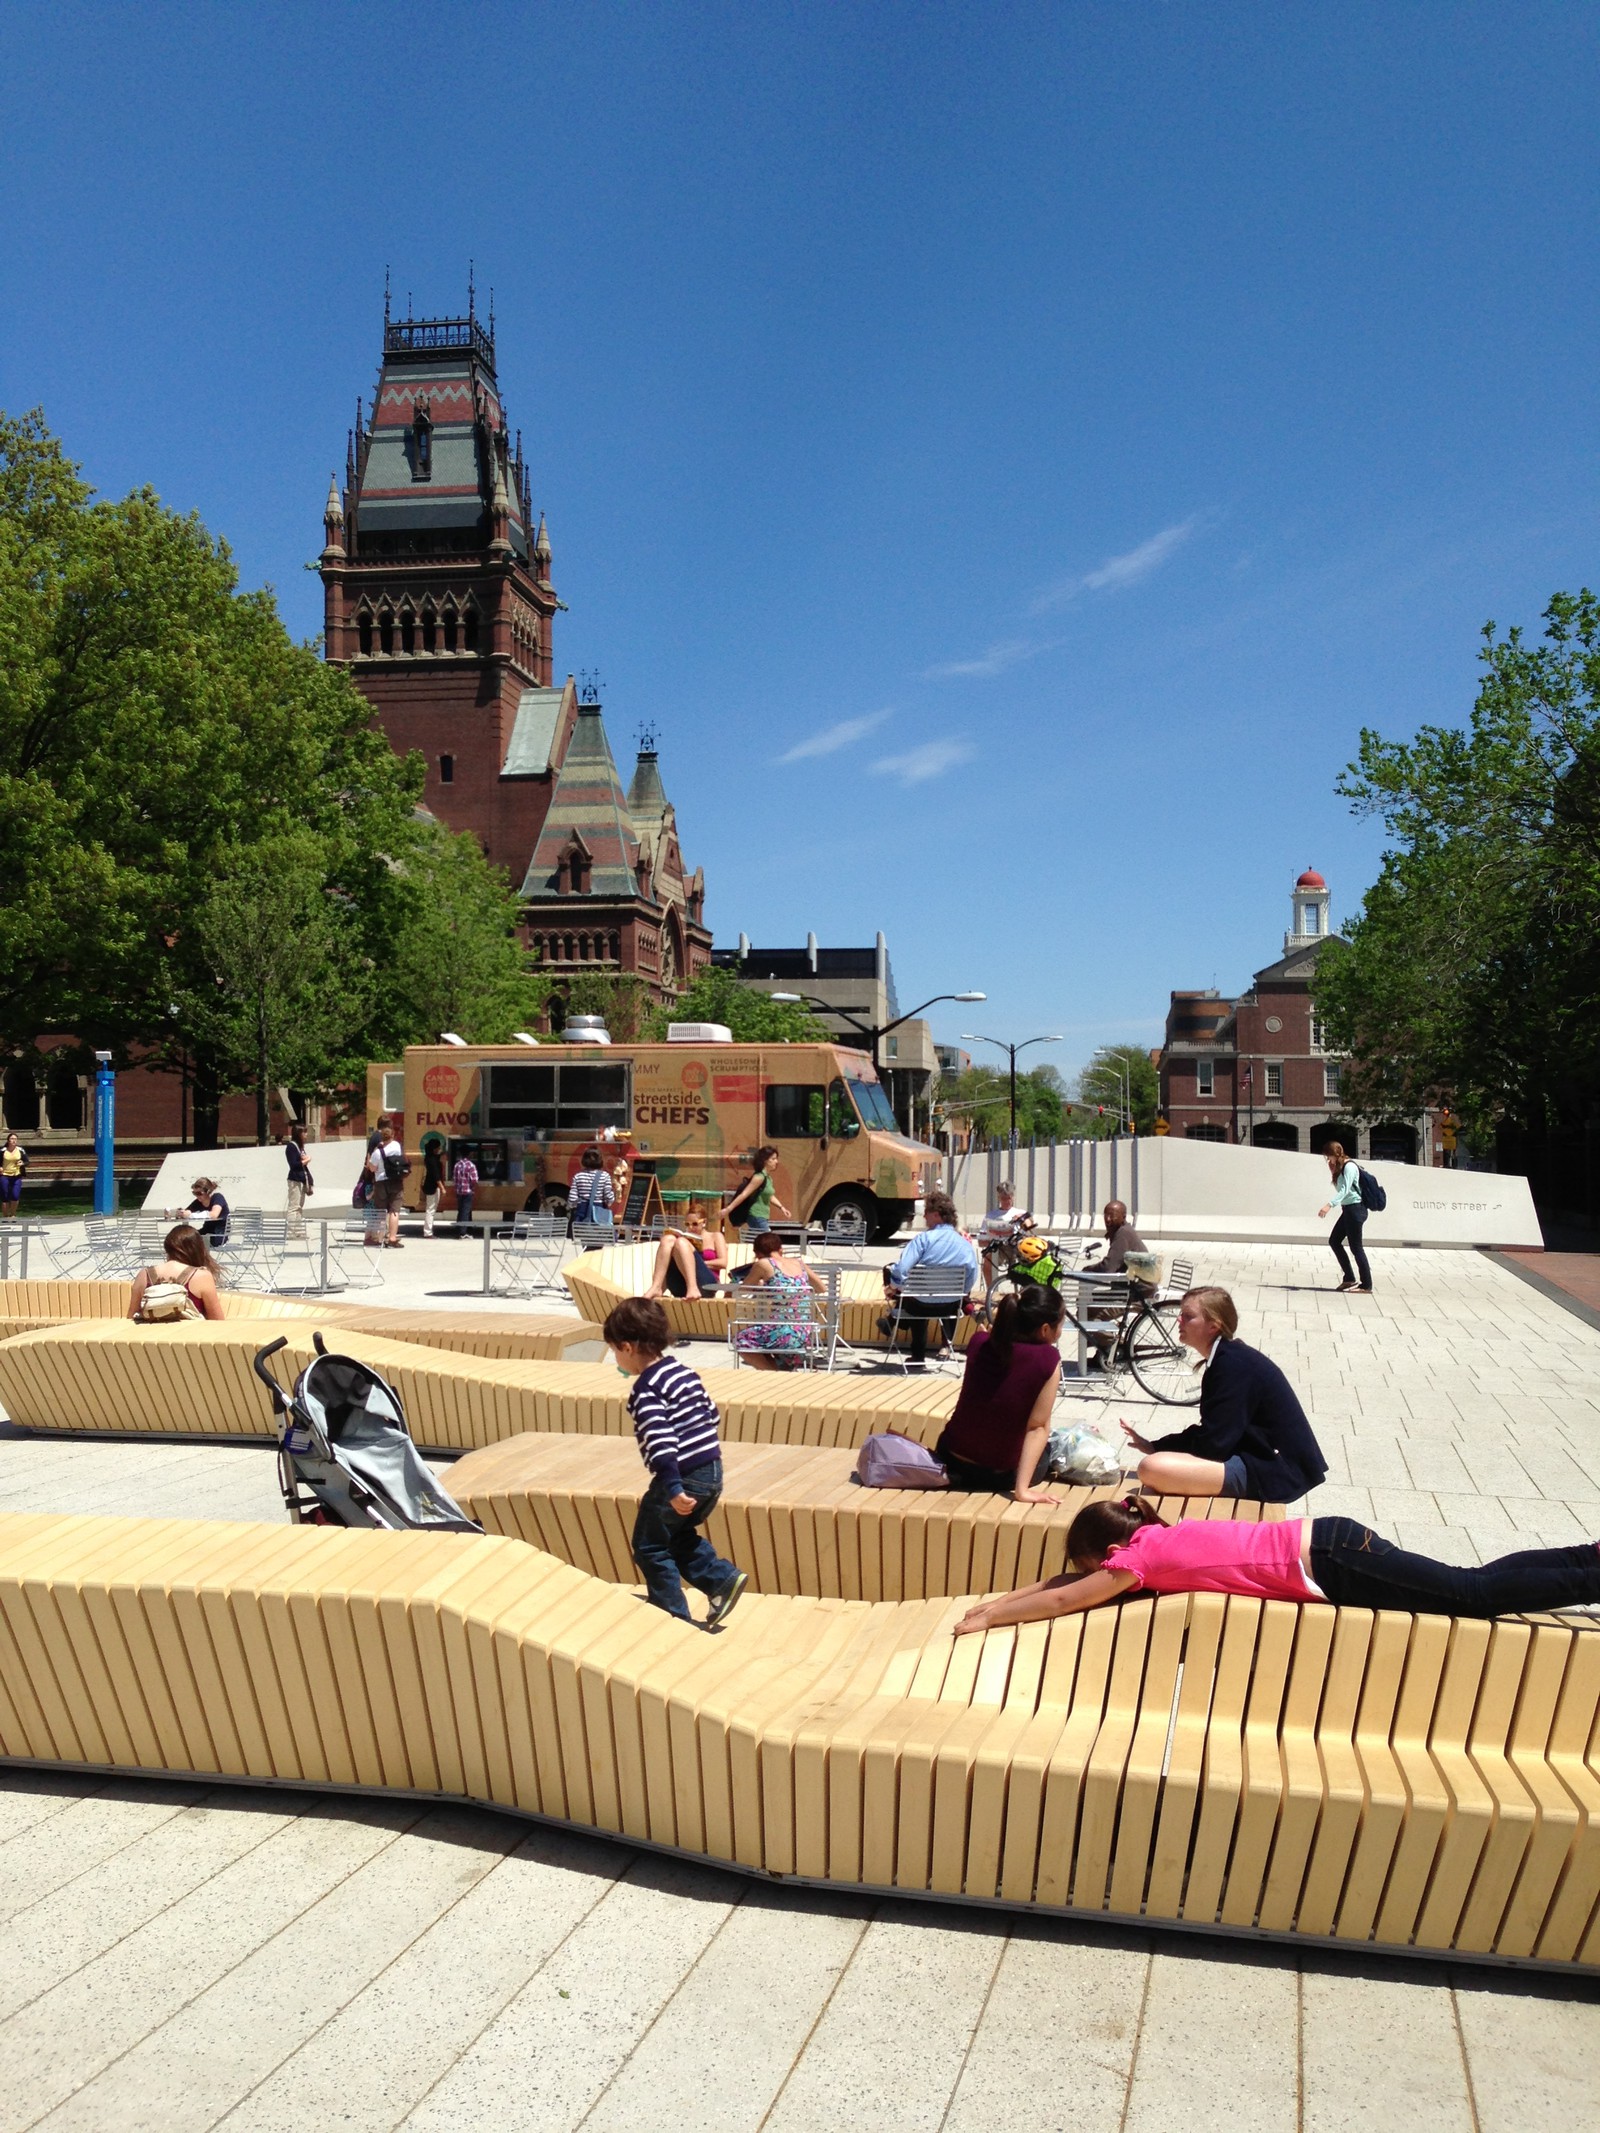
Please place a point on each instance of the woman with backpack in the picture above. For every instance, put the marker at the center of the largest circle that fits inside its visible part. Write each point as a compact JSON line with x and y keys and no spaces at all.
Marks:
{"x":1118,"y":1548}
{"x":182,"y":1285}
{"x":1346,"y":1196}
{"x":999,"y":1433}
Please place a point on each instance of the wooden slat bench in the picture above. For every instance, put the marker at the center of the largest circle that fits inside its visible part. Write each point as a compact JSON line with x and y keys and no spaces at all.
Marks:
{"x":1326,"y":1774}
{"x":599,"y":1279}
{"x":790,"y":1516}
{"x":110,"y":1377}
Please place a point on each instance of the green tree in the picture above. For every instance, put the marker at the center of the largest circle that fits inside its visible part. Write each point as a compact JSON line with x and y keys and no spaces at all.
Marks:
{"x":982,"y":1096}
{"x":456,"y":962}
{"x":1473,"y":971}
{"x":716,"y":995}
{"x":163,"y":743}
{"x":1117,"y":1074}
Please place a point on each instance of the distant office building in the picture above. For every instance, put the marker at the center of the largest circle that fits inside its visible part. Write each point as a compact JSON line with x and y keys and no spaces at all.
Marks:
{"x":851,"y":991}
{"x":1255,"y":1071}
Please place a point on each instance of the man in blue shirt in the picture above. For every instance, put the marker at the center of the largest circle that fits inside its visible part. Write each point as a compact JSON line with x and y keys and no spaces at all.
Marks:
{"x":939,"y":1244}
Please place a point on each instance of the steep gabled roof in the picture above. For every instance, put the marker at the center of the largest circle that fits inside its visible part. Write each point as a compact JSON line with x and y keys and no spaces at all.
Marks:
{"x":588,"y":799}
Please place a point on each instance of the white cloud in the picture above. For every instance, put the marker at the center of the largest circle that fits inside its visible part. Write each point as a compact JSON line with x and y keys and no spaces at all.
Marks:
{"x":1119,"y":571}
{"x":832,"y":738}
{"x":994,"y":661}
{"x":931,"y":760}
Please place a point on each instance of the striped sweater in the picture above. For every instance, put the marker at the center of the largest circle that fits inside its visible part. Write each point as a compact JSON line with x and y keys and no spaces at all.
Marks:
{"x":675,"y":1421}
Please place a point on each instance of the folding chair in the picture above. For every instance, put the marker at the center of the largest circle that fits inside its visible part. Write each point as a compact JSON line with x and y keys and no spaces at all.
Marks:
{"x":846,"y":1231}
{"x":594,"y":1235}
{"x":240,"y":1252}
{"x":926,"y":1286}
{"x":352,"y":1240}
{"x":529,"y":1260}
{"x":780,"y":1322}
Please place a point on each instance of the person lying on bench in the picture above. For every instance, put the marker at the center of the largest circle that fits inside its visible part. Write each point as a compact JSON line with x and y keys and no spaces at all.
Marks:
{"x":1116,"y":1548}
{"x":687,"y":1260}
{"x":999,"y":1434}
{"x":1252,"y":1438}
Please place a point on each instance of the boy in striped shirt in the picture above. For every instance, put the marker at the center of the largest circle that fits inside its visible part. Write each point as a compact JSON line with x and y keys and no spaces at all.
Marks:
{"x":675,"y":1421}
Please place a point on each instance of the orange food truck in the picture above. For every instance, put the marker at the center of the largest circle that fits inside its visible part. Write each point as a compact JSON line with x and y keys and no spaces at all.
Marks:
{"x":690,"y":1113}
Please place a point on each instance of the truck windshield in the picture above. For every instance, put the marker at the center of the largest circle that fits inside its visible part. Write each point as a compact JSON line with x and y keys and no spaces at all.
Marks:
{"x":874,"y":1106}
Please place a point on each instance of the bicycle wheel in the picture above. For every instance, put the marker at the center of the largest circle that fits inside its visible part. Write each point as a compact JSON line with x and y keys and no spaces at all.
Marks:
{"x":1161,"y":1364}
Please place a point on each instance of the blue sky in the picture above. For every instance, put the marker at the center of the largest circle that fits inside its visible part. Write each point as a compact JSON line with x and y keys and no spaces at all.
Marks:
{"x":1008,"y":452}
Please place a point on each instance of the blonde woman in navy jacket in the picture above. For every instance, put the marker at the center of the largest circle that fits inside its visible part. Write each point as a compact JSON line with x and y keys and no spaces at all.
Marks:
{"x":1252,"y":1438}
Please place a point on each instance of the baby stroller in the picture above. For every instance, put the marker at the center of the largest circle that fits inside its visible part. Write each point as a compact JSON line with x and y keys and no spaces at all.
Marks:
{"x":345,"y":1455}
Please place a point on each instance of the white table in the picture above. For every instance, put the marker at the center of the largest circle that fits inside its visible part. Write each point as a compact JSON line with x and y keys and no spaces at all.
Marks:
{"x":21,"y":1232}
{"x":489,"y":1224}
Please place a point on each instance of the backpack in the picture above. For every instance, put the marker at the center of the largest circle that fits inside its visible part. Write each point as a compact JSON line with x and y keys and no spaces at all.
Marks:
{"x":165,"y":1302}
{"x":890,"y":1461}
{"x":394,"y":1168}
{"x":1373,"y":1197}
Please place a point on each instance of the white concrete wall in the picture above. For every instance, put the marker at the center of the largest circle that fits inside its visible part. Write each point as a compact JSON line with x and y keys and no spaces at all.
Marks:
{"x":259,"y":1177}
{"x":1210,"y":1189}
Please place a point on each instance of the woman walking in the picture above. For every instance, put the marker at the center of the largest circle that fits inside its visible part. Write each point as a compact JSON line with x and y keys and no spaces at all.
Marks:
{"x":1346,"y":1196}
{"x":756,"y":1196}
{"x":1252,"y":1438}
{"x":1115,"y":1547}
{"x":13,"y":1168}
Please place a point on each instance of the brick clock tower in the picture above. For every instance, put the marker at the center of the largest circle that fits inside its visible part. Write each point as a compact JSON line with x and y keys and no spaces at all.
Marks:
{"x":439,"y":601}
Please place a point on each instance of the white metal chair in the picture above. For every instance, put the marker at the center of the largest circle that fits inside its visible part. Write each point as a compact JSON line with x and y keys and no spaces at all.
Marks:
{"x":846,"y":1231}
{"x":784,"y":1322}
{"x":594,"y":1235}
{"x":350,"y":1250}
{"x":926,"y":1286}
{"x":528,"y":1260}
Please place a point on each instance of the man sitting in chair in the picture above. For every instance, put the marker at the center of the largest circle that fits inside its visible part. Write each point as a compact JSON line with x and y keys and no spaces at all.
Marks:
{"x":1001,"y":1226}
{"x":1121,"y":1239}
{"x":939,"y":1244}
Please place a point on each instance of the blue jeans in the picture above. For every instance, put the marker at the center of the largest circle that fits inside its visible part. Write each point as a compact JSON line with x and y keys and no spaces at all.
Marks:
{"x":1356,"y":1567}
{"x":669,"y":1547}
{"x":463,"y":1213}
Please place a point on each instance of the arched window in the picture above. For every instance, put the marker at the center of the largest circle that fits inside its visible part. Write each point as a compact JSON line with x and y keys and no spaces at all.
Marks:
{"x":430,"y":629}
{"x":470,"y":628}
{"x":450,"y":626}
{"x":364,"y":632}
{"x":21,"y":1098}
{"x":386,"y":629}
{"x":421,"y":444}
{"x":64,"y":1099}
{"x":408,"y":630}
{"x":447,"y":770}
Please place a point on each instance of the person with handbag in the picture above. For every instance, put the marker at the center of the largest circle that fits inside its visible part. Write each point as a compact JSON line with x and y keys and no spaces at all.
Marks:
{"x":756,"y":1196}
{"x":181,"y":1286}
{"x":301,"y":1182}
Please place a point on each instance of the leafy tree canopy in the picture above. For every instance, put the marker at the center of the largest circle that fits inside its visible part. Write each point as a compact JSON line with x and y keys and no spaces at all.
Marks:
{"x":1117,"y":1075}
{"x":1472,"y":974}
{"x":716,"y":995}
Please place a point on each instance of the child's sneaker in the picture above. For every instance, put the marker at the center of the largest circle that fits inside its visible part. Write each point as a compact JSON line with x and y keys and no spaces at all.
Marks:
{"x":726,"y":1600}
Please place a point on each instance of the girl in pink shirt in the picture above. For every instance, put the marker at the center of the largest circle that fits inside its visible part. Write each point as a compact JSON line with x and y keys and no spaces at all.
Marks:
{"x":1115,"y":1548}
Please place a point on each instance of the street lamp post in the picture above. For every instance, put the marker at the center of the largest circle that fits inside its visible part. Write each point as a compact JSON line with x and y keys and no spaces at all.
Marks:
{"x":969,"y":1036}
{"x":874,"y":1031}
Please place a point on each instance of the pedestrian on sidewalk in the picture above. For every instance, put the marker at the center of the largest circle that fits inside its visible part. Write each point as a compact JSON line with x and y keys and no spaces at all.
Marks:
{"x":464,"y":1177}
{"x":1346,"y":1196}
{"x":13,"y":1167}
{"x":301,"y":1182}
{"x":675,"y":1421}
{"x":432,"y":1180}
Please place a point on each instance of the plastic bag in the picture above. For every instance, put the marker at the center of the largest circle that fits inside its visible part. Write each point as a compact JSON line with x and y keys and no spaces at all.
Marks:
{"x":1081,"y":1455}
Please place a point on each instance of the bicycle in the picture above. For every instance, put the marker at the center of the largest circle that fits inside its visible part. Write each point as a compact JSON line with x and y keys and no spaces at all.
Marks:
{"x":1144,"y":1338}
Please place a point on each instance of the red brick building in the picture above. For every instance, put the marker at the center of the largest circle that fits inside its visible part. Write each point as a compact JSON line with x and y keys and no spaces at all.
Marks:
{"x":1254,"y":1070}
{"x":439,"y":600}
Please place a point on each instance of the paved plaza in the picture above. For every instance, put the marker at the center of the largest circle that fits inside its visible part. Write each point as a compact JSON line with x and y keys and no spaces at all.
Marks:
{"x":187,"y":1956}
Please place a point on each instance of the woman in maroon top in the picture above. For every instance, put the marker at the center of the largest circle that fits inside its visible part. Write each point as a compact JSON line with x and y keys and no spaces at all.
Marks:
{"x":998,"y":1435}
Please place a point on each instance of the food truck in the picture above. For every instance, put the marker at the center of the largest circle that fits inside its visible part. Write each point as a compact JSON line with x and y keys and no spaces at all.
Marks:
{"x":688,"y":1113}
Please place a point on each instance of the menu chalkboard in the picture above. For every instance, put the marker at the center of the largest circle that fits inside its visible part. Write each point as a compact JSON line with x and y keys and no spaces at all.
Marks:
{"x":644,"y":1194}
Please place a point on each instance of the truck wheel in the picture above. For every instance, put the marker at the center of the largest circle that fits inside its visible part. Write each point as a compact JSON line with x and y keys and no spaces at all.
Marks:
{"x":892,"y":1215}
{"x":862,"y":1205}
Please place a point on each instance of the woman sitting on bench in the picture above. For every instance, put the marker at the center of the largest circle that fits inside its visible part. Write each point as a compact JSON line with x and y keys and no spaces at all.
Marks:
{"x":1252,"y":1438}
{"x":688,"y":1261}
{"x":1115,"y":1548}
{"x":1000,"y":1430}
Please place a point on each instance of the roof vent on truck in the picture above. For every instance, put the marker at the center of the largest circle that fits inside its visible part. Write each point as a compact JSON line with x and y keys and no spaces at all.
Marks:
{"x":699,"y":1033}
{"x":586,"y":1029}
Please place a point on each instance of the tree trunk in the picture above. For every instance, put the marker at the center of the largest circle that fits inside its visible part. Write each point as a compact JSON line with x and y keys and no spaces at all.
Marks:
{"x":207,"y":1099}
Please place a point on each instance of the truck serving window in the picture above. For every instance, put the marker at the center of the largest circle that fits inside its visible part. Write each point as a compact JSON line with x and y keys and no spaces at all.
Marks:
{"x":874,"y":1105}
{"x":795,"y":1112}
{"x":541,"y":1099}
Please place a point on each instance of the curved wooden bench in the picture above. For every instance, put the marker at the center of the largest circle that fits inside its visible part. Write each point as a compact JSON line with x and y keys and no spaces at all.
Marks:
{"x":110,"y":1377}
{"x":50,"y":1303}
{"x":505,"y":1336}
{"x":1319,"y":1773}
{"x":599,"y":1279}
{"x":789,"y":1516}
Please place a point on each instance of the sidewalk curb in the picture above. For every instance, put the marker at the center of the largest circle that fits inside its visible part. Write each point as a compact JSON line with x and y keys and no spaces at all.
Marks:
{"x":1543,"y":1283}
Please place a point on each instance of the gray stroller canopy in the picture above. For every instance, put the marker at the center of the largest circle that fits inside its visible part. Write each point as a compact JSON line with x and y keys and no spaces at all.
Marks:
{"x":342,"y":1415}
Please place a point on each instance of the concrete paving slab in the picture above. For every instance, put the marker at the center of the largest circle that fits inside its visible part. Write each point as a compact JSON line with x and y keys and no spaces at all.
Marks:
{"x":1207,"y":2071}
{"x":1533,"y":2052}
{"x":1380,"y":2047}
